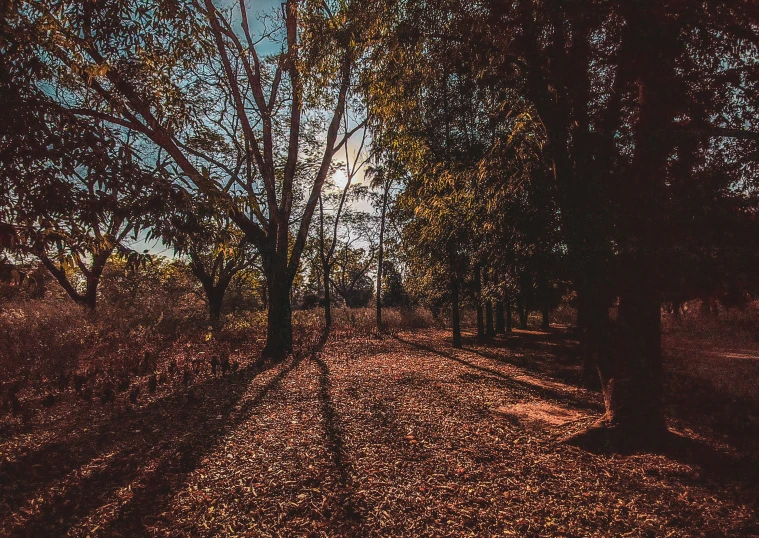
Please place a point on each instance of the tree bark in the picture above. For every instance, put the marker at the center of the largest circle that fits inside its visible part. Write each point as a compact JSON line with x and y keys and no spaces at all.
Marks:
{"x":215,"y":299}
{"x":381,"y":253}
{"x":478,"y":300}
{"x":327,"y":297}
{"x":593,"y":316}
{"x":509,"y":320}
{"x":279,"y":332}
{"x":456,"y":321}
{"x":489,"y":331}
{"x":522,"y":311}
{"x":92,"y":279}
{"x":546,"y":322}
{"x":500,"y":322}
{"x":631,"y":375}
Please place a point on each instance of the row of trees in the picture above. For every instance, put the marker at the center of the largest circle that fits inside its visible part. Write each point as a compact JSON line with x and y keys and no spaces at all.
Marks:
{"x":609,"y":145}
{"x":598,"y":146}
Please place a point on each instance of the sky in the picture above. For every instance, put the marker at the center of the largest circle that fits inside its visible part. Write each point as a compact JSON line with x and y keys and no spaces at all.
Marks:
{"x":258,"y":13}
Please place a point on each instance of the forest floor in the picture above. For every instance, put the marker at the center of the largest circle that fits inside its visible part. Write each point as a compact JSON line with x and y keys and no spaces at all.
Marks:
{"x":399,"y":436}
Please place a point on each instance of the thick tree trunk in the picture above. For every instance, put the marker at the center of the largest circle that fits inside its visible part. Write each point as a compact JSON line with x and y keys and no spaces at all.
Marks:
{"x":594,"y":337}
{"x":500,"y":322}
{"x":456,"y":321}
{"x":214,"y":306}
{"x":631,"y":375}
{"x":216,"y":299}
{"x":279,"y":332}
{"x":91,"y":293}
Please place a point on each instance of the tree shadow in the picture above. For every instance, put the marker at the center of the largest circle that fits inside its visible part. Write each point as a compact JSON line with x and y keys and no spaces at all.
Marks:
{"x":554,"y":354}
{"x":712,"y":463}
{"x":560,"y":397}
{"x":698,"y":405}
{"x":134,"y":461}
{"x":347,"y":513}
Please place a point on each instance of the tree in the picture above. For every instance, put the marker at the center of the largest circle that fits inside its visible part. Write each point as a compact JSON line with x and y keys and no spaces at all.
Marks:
{"x":328,"y":245}
{"x":217,"y":250}
{"x":72,"y":205}
{"x":183,"y":71}
{"x":621,"y":91}
{"x":353,"y":259}
{"x":383,"y":177}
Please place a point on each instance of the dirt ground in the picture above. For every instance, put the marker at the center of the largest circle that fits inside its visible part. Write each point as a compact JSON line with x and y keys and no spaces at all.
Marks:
{"x":399,"y":436}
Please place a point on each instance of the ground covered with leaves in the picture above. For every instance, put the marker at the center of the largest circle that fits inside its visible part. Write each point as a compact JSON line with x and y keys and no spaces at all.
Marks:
{"x":362,"y":436}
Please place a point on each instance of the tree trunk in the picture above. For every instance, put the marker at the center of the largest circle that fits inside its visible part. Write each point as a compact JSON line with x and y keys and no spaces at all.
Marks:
{"x":500,"y":325}
{"x":593,"y":317}
{"x":380,"y":255}
{"x":509,"y":320}
{"x":522,"y":311}
{"x":279,"y":332}
{"x":478,"y":299}
{"x":546,"y":322}
{"x":89,"y":299}
{"x":456,"y":321}
{"x":327,"y":298}
{"x":631,"y":375}
{"x":91,"y":293}
{"x":489,"y":331}
{"x":379,"y":289}
{"x":215,"y":298}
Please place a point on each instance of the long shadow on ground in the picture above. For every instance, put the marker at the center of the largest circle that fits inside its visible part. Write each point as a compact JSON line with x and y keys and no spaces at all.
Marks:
{"x":561,"y":397}
{"x":130,"y":465}
{"x":715,"y":465}
{"x":347,"y":514}
{"x":550,"y":353}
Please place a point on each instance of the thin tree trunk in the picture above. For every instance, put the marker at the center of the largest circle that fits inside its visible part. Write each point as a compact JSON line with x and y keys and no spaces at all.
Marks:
{"x":500,"y":322}
{"x":327,"y":297}
{"x":89,"y":299}
{"x":380,"y":255}
{"x":456,"y":321}
{"x":478,"y":299}
{"x":546,"y":322}
{"x":489,"y":330}
{"x":509,"y":320}
{"x":522,"y":311}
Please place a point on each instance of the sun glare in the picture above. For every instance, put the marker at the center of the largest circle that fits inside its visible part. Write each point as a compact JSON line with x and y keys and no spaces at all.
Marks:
{"x":340,"y":178}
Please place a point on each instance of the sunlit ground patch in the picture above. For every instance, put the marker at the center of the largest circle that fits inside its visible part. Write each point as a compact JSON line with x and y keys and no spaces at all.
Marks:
{"x":543,"y":413}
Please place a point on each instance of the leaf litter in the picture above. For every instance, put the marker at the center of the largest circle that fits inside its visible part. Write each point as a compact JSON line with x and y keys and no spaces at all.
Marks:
{"x":398,"y":436}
